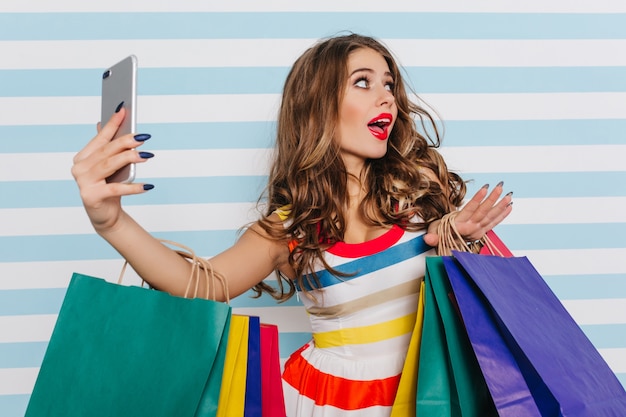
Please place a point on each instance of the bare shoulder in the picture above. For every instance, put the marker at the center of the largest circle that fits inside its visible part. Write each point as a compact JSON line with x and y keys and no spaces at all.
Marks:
{"x":276,"y":249}
{"x":253,"y":257}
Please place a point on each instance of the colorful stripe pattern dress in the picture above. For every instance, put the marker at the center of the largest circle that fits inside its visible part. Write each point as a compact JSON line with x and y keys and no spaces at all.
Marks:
{"x":361,"y":325}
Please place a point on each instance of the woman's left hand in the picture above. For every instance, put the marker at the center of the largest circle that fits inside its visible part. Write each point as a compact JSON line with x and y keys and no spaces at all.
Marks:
{"x":481,"y":214}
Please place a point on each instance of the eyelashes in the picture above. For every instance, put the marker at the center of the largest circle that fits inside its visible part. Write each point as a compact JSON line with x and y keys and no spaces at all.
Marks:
{"x":365,"y":81}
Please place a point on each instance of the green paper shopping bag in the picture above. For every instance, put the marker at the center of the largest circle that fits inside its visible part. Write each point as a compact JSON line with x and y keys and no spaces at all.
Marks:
{"x":450,"y":382}
{"x":130,"y":351}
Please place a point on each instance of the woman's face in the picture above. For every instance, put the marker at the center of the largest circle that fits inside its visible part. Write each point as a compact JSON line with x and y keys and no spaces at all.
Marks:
{"x":368,"y":109}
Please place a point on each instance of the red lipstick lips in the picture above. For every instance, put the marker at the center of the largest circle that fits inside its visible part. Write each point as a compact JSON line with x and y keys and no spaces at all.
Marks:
{"x":379,"y":126}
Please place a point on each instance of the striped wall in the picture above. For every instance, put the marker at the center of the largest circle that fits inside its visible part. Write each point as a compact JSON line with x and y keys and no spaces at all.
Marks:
{"x":532,"y":93}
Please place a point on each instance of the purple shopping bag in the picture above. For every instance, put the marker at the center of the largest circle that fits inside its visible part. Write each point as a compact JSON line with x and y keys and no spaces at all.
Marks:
{"x":505,"y":380}
{"x":548,"y":345}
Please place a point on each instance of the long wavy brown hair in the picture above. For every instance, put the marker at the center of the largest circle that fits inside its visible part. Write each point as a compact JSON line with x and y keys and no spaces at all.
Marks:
{"x":308,"y":174}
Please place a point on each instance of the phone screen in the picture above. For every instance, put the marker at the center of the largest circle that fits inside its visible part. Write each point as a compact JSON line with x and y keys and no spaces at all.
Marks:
{"x":119,"y":84}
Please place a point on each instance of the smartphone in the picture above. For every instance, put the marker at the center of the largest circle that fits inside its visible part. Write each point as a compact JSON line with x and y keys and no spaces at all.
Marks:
{"x":119,"y":84}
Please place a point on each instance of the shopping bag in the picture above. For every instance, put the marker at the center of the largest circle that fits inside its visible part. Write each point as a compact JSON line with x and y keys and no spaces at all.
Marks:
{"x":273,"y":401}
{"x":129,"y":351}
{"x":565,"y":373}
{"x":493,"y":245}
{"x":405,"y":401}
{"x":233,"y":390}
{"x":509,"y":390}
{"x":252,"y":405}
{"x":450,"y":382}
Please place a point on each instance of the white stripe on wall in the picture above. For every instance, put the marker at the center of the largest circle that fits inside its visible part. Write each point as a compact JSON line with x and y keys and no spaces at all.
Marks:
{"x":210,"y":216}
{"x":508,"y":6}
{"x":16,"y":381}
{"x":227,"y":162}
{"x":38,"y":327}
{"x":264,"y":107}
{"x":156,"y":218}
{"x":191,"y":53}
{"x":577,"y":261}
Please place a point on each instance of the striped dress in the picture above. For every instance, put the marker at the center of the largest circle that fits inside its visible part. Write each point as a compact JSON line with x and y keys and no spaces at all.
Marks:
{"x":361,"y":326}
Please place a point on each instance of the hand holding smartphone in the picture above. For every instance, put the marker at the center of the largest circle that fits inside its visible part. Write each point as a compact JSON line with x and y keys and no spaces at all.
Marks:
{"x":119,"y":84}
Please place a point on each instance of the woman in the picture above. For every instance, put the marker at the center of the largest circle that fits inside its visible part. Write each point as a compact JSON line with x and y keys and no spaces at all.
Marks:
{"x":354,"y":198}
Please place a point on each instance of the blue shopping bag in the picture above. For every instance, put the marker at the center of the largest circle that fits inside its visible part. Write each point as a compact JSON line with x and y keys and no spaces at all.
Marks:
{"x":564,"y":371}
{"x":510,"y":392}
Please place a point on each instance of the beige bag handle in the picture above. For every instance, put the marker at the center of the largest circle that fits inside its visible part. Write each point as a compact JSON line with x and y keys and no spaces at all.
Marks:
{"x":450,"y":239}
{"x":200,"y":268}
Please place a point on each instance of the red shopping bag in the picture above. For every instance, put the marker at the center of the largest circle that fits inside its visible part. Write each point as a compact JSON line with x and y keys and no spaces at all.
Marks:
{"x":273,"y":401}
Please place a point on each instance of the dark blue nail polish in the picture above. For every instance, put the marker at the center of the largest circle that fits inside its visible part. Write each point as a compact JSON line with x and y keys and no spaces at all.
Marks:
{"x":509,"y":194}
{"x":485,"y":186}
{"x":119,"y":107}
{"x":147,"y":187}
{"x":500,"y":184}
{"x":141,"y":137}
{"x":146,"y":155}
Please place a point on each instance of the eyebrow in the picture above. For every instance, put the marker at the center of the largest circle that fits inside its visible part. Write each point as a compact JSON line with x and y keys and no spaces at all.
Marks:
{"x":388,"y":73}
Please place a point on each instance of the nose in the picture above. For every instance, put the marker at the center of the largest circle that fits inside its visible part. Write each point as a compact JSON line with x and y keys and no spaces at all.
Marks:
{"x":386,"y":97}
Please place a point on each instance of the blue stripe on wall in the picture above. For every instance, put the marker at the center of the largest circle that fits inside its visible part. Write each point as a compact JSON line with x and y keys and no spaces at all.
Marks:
{"x":49,"y":300}
{"x":14,"y":405}
{"x":30,"y":354}
{"x":582,"y":287}
{"x":242,"y":189}
{"x":575,"y":287}
{"x":92,"y":246}
{"x":32,"y":301}
{"x":151,"y":81}
{"x":290,"y":342}
{"x":552,"y":184}
{"x":22,"y":355}
{"x":208,"y":243}
{"x":202,"y":190}
{"x":516,"y":80}
{"x":269,"y":80}
{"x":606,"y":336}
{"x":71,"y":138}
{"x":534,"y":132}
{"x":562,"y":236}
{"x":92,"y":26}
{"x":566,"y":287}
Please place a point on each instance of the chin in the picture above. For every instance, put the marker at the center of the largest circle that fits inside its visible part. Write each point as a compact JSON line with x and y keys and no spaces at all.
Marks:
{"x":379,"y":155}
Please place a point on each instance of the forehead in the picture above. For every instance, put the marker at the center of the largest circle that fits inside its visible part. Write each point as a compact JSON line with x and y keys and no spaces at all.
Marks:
{"x":366,"y":58}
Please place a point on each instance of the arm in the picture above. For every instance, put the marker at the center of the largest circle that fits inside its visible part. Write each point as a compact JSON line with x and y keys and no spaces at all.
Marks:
{"x":251,"y":259}
{"x":157,"y":264}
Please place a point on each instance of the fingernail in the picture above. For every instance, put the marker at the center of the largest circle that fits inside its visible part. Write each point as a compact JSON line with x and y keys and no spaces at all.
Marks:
{"x":500,"y":184}
{"x":142,"y":137}
{"x":485,"y":186}
{"x":147,"y":187}
{"x":146,"y":155}
{"x":119,"y":107}
{"x":510,"y":204}
{"x":509,"y":194}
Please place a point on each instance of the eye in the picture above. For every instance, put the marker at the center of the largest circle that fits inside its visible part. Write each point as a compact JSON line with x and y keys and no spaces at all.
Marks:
{"x":389,"y":86}
{"x":362,"y":82}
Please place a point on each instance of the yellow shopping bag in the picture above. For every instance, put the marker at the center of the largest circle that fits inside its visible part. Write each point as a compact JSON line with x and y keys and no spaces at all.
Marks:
{"x":233,"y":393}
{"x":404,"y":404}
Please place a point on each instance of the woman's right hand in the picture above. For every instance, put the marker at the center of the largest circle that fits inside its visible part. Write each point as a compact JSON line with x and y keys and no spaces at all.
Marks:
{"x":99,"y":159}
